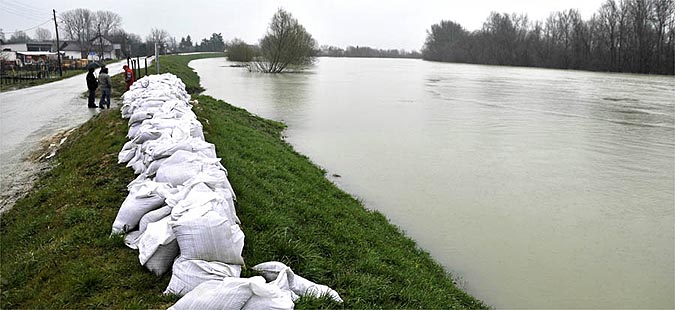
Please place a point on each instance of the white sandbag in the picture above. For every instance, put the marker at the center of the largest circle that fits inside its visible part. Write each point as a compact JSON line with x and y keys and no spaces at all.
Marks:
{"x":229,"y":293}
{"x":189,"y":273}
{"x":204,"y":234}
{"x":214,"y":176}
{"x":183,"y":165}
{"x":132,"y":238}
{"x":202,"y":196}
{"x":151,"y":170}
{"x":156,"y":234}
{"x":139,"y":116}
{"x":127,"y":153}
{"x":160,"y":262}
{"x":194,"y":145}
{"x":298,"y":284}
{"x":275,"y":295}
{"x":146,"y":134}
{"x":143,"y":197}
{"x":191,"y":191}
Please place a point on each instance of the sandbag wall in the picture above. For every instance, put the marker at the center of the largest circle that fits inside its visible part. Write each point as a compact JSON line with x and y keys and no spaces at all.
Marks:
{"x":180,"y":212}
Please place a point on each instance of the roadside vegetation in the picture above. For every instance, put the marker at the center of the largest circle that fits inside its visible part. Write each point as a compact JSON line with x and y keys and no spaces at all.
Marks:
{"x":57,"y":253}
{"x":30,"y":83}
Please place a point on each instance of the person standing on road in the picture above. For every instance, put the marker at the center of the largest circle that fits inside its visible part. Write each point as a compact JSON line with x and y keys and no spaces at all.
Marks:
{"x":92,"y":84}
{"x":106,"y":87}
{"x":128,"y":76}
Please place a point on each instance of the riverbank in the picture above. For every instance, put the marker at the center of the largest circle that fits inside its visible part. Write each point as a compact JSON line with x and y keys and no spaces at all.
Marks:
{"x":57,"y":253}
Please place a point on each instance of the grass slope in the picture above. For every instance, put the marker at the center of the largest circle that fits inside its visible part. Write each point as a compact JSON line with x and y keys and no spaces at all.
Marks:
{"x":56,"y":252}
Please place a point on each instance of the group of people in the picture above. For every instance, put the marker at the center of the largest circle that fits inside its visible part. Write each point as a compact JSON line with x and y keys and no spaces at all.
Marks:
{"x":105,"y":83}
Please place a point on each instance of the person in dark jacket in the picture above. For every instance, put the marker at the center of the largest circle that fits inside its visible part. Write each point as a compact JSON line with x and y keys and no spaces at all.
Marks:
{"x":106,"y":87}
{"x":92,"y":84}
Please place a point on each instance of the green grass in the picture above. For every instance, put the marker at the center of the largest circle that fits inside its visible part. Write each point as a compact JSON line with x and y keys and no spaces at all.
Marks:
{"x":57,"y":253}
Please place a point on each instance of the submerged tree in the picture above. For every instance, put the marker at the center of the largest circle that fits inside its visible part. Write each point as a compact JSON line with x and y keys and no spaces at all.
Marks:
{"x":286,"y":44}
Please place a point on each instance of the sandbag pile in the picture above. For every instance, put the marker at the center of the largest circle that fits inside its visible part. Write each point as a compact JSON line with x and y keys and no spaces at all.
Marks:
{"x":180,"y":212}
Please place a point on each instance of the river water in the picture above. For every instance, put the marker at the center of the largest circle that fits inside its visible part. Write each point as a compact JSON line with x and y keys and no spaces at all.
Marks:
{"x":535,"y":188}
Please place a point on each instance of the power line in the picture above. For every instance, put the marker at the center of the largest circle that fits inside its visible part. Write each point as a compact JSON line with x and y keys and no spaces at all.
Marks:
{"x":27,"y":29}
{"x":17,"y":12}
{"x":25,"y":6}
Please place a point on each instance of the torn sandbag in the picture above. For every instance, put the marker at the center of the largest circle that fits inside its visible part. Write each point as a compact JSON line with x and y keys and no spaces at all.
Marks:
{"x":298,"y":284}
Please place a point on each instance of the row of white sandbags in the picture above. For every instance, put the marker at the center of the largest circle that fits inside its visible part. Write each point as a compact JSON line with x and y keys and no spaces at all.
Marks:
{"x":183,"y":203}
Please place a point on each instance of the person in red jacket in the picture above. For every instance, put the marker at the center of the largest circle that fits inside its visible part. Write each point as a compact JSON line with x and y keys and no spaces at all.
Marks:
{"x":128,"y":76}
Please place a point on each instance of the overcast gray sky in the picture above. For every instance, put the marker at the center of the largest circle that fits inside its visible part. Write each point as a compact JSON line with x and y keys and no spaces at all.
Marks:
{"x":381,"y":24}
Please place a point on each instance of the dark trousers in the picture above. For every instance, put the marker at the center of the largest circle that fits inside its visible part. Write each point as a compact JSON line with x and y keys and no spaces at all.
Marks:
{"x":92,"y":98}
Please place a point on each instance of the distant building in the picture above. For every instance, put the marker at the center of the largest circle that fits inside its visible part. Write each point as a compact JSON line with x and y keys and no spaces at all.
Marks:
{"x":72,"y":50}
{"x":27,"y":53}
{"x":103,"y":48}
{"x":97,"y":48}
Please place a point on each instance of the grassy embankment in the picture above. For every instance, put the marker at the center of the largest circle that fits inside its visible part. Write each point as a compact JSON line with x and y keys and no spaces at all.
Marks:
{"x":56,"y":252}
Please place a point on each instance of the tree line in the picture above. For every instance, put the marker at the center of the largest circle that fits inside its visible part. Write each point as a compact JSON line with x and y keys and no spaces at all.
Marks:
{"x":83,"y":25}
{"x":636,"y":36}
{"x":365,"y":51}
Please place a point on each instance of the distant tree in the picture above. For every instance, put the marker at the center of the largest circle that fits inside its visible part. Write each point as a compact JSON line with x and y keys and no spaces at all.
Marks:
{"x":624,"y":36}
{"x":42,"y":34}
{"x":365,"y":51}
{"x":172,"y":45}
{"x":286,"y":44}
{"x":2,"y":35}
{"x":185,"y":44}
{"x":109,"y":22}
{"x":82,"y":25}
{"x":78,"y":25}
{"x":136,"y":46}
{"x":446,"y":41}
{"x":19,"y":37}
{"x":159,"y":36}
{"x":213,"y":44}
{"x":238,"y":50}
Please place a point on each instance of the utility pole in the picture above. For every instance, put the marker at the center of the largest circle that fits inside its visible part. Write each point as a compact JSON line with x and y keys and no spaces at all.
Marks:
{"x":58,"y":47}
{"x":156,"y":58}
{"x":100,"y":43}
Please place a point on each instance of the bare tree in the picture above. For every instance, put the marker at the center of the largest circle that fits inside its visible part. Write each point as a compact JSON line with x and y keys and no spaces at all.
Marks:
{"x":78,"y":25}
{"x":286,"y":44}
{"x":159,"y":36}
{"x":19,"y":37}
{"x":42,"y":34}
{"x":172,"y":44}
{"x":109,"y":22}
{"x":625,"y":36}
